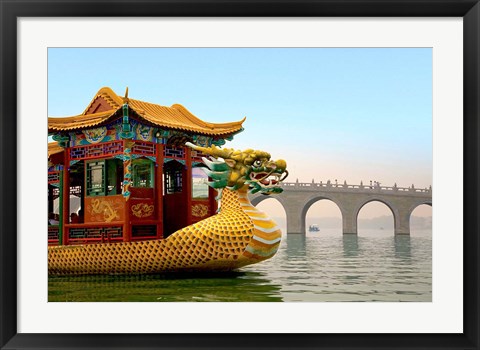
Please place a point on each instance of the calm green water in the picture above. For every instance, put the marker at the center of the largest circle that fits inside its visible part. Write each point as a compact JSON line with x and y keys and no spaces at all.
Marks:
{"x":323,"y":266}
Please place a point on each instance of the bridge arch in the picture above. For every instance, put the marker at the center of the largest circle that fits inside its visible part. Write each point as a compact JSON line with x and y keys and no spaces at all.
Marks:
{"x":376,"y":199}
{"x":385,"y":203}
{"x":352,"y":209}
{"x":400,"y":209}
{"x":421,"y":224}
{"x":416,"y":205}
{"x":311,"y":201}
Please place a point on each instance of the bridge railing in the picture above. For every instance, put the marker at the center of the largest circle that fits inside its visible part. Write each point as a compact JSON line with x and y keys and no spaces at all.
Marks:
{"x":361,"y":187}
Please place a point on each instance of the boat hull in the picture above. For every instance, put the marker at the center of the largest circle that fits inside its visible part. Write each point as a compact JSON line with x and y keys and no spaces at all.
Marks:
{"x":180,"y":252}
{"x":239,"y":235}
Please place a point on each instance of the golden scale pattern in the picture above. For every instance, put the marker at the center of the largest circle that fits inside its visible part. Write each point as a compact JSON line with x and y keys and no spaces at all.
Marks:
{"x":217,"y":242}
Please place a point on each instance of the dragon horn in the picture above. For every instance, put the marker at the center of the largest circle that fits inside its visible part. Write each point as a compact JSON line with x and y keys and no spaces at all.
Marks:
{"x":212,"y":150}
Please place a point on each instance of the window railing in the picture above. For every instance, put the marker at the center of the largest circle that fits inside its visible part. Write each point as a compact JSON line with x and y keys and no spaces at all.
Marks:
{"x":144,"y":148}
{"x":53,"y":177}
{"x":174,"y":152}
{"x":97,"y":151}
{"x":100,"y":233}
{"x":53,"y":234}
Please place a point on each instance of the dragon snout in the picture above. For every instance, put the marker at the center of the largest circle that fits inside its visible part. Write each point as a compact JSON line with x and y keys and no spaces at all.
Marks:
{"x":281,"y":165}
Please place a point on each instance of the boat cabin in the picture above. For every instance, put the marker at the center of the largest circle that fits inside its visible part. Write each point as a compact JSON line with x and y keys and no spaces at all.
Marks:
{"x":121,"y":172}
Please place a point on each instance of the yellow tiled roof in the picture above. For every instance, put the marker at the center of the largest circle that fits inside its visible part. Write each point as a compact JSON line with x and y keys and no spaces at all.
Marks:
{"x":54,"y":148}
{"x":78,"y":121}
{"x":174,"y":117}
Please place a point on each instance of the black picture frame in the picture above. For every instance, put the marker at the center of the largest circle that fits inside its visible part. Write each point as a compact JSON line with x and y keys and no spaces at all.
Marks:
{"x":11,"y":10}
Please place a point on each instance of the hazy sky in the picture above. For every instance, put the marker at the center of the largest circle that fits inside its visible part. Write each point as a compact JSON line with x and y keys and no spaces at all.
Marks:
{"x":331,"y":113}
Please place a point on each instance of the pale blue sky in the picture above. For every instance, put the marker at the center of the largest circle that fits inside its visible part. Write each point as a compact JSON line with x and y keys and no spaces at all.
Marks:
{"x":331,"y":113}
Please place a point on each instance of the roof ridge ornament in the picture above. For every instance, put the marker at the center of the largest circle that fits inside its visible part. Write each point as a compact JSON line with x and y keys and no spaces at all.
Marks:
{"x":126,"y":127}
{"x":125,"y":98}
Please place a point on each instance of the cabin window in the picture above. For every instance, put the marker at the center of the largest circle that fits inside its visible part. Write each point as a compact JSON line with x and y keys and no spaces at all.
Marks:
{"x":173,"y":177}
{"x":114,"y":176}
{"x":53,"y":204}
{"x":199,"y":183}
{"x":104,"y":177}
{"x":142,"y":173}
{"x":96,"y":178}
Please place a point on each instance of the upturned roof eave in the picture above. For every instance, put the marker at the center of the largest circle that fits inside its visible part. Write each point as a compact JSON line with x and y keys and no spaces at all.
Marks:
{"x":106,"y":117}
{"x":54,"y":148}
{"x":98,"y":120}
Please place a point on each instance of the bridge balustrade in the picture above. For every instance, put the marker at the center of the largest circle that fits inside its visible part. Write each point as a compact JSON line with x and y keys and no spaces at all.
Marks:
{"x":312,"y":185}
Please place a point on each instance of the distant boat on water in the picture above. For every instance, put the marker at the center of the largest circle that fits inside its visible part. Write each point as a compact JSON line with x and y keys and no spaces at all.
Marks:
{"x":313,"y":228}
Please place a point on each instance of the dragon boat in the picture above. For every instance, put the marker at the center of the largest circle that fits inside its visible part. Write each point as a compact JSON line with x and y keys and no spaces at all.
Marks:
{"x":238,"y":235}
{"x":124,"y":178}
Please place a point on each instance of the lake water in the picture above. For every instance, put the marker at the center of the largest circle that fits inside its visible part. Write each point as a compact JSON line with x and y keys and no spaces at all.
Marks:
{"x":320,"y":266}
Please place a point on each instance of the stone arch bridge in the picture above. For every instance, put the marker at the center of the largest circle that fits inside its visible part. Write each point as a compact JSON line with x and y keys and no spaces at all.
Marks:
{"x":297,"y":198}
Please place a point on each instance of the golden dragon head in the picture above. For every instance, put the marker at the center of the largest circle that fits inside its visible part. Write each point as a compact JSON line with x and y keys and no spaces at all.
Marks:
{"x":233,"y":169}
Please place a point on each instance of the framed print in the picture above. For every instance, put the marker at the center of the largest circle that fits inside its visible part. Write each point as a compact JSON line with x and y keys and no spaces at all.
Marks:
{"x":267,"y":55}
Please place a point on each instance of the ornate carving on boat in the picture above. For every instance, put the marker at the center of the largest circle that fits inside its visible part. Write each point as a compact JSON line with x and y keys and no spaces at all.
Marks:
{"x":104,"y":209}
{"x":142,"y":210}
{"x":199,"y":210}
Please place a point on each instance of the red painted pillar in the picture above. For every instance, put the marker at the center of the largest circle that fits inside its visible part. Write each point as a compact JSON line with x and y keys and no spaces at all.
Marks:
{"x":127,"y":226}
{"x":66,"y":196}
{"x":159,"y":190}
{"x":188,"y":183}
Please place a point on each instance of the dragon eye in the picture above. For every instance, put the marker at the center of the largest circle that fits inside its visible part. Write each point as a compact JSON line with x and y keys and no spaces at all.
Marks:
{"x":257,"y":163}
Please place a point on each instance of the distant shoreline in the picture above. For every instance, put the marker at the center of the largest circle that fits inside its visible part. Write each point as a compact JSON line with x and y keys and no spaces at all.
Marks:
{"x":416,"y":222}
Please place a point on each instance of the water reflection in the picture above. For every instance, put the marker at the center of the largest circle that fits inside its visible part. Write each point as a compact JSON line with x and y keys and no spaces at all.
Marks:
{"x":322,"y":267}
{"x":403,"y":247}
{"x":234,"y":286}
{"x":350,"y":245}
{"x":296,"y":245}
